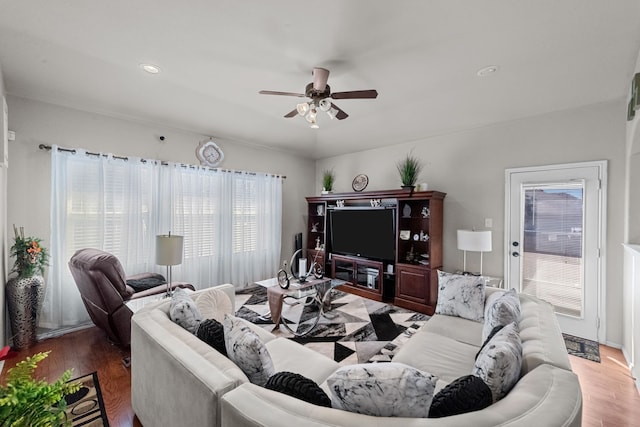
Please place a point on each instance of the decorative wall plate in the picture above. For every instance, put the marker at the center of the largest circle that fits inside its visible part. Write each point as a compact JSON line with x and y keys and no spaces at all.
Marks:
{"x":209,"y":153}
{"x":360,"y":182}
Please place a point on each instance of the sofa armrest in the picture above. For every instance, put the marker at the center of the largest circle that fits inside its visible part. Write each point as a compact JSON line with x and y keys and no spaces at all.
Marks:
{"x":174,"y":375}
{"x":546,"y":396}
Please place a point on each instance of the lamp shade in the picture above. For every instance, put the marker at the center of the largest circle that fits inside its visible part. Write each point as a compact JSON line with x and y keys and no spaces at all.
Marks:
{"x":474,"y":241}
{"x":169,"y":249}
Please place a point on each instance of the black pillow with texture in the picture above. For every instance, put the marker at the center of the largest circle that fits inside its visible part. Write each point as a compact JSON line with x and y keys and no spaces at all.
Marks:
{"x":298,"y":386}
{"x":140,"y":285}
{"x":465,"y":394}
{"x":212,"y":332}
{"x":494,"y":331}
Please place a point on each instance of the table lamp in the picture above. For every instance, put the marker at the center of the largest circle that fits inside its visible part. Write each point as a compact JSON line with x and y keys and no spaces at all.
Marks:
{"x":474,"y":241}
{"x":169,"y":253}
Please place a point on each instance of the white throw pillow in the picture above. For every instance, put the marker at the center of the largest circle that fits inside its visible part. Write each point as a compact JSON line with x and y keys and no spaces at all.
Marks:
{"x":382,"y":390}
{"x":500,"y":360}
{"x":501,"y":311}
{"x":183,"y":311}
{"x":461,"y":295}
{"x":245,"y":349}
{"x":214,"y":304}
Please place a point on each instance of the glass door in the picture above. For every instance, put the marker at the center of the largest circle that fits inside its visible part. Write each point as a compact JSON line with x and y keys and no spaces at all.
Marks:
{"x":553,"y":240}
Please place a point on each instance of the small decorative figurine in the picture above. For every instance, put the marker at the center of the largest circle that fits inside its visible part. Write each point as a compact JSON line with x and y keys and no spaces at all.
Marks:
{"x":318,"y":244}
{"x":425,"y":212}
{"x":314,"y":227}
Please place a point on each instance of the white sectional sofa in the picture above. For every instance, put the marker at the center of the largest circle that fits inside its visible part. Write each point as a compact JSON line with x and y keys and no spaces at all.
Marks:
{"x":179,"y":380}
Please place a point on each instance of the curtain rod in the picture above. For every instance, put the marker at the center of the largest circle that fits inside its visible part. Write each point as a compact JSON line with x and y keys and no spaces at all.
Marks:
{"x":88,"y":153}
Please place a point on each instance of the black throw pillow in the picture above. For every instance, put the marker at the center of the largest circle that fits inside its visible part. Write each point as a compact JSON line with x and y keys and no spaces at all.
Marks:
{"x":494,"y":331}
{"x":212,"y":332}
{"x":139,"y":285}
{"x":298,"y":386}
{"x":466,"y":394}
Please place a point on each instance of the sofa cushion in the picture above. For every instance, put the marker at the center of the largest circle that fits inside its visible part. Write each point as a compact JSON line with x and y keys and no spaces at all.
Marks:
{"x":542,"y":341}
{"x":290,"y":356}
{"x":246,"y":350}
{"x":465,"y":394}
{"x":501,"y":309}
{"x":461,"y":295}
{"x":438,"y":354}
{"x":382,"y":389}
{"x":298,"y":386}
{"x":212,"y":332}
{"x":498,"y":363}
{"x":463,"y":330}
{"x":214,"y":304}
{"x":183,"y":311}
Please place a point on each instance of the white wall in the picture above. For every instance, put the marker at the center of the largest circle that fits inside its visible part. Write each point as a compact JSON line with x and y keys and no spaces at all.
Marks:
{"x":37,"y":123}
{"x":4,"y":251}
{"x":469,"y":166}
{"x":631,"y":291}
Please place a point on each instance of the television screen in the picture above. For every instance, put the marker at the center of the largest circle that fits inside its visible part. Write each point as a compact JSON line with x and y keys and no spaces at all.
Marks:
{"x":367,"y":233}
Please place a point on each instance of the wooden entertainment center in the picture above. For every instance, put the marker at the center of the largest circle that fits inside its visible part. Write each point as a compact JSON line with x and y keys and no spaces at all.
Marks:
{"x":408,"y":279}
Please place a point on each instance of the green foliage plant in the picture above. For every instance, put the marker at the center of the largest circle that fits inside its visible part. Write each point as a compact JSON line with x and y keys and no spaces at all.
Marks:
{"x":409,"y":169}
{"x":327,"y":180}
{"x":31,"y":257}
{"x":27,"y":402}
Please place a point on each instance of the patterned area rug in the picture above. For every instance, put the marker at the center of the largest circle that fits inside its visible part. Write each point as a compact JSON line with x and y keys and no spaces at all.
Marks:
{"x":360,"y":330}
{"x":86,"y":407}
{"x":581,"y":347}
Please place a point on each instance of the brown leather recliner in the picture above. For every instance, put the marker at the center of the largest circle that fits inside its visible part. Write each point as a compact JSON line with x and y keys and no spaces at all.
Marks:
{"x":103,"y":286}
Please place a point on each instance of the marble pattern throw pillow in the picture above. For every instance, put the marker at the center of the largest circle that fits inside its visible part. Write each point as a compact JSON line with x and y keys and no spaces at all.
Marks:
{"x":499,"y":362}
{"x":461,"y":296}
{"x":382,"y":390}
{"x":501,"y":311}
{"x":183,"y":311}
{"x":245,"y":349}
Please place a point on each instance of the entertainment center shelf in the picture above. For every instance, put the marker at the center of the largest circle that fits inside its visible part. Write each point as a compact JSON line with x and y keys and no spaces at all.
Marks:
{"x":386,"y":244}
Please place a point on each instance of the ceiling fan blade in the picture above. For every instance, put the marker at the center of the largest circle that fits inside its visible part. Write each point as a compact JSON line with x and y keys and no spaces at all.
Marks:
{"x":320,"y":77}
{"x":292,"y":113}
{"x":356,"y":94}
{"x":340,"y":115}
{"x":273,"y":92}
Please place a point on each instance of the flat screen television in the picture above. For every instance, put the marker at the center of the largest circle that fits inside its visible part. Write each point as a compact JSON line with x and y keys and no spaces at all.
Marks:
{"x":367,"y":233}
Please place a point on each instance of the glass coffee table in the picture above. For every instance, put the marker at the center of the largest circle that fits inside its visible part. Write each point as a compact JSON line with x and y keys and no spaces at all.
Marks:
{"x":317,"y":293}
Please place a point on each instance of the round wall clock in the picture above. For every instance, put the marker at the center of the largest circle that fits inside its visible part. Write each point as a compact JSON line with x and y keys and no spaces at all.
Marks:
{"x":209,"y":153}
{"x":360,"y":182}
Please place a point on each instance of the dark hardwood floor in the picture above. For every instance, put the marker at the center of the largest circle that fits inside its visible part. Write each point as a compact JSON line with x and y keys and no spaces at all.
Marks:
{"x":610,"y":397}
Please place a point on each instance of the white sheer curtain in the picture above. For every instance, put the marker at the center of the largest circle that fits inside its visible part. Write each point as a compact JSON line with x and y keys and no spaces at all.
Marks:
{"x":231,"y":222}
{"x":97,"y":202}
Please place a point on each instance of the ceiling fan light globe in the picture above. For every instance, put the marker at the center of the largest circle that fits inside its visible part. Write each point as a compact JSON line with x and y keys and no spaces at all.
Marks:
{"x":314,"y":125}
{"x":311,"y":117}
{"x":303,"y":108}
{"x":332,"y":113}
{"x":324,"y":105}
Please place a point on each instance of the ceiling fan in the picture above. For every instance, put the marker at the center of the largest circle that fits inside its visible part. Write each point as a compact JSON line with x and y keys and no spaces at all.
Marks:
{"x":320,"y":92}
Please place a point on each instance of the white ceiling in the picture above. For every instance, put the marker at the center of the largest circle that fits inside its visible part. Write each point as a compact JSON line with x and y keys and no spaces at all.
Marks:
{"x":422,"y":57}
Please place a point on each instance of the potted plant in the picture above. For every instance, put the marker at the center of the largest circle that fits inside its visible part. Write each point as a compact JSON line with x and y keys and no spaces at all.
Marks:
{"x":409,"y":168}
{"x":27,"y":402}
{"x":25,"y":289}
{"x":327,"y":181}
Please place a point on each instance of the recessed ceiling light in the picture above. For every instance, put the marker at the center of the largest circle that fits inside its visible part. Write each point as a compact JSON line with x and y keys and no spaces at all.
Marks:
{"x":487,"y":71}
{"x":150,"y":68}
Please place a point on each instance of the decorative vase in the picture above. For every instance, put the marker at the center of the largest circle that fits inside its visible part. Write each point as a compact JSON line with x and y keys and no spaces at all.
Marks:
{"x":25,"y":296}
{"x":409,"y":188}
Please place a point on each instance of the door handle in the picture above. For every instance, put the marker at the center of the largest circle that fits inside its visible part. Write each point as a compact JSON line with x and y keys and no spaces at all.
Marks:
{"x":515,"y":254}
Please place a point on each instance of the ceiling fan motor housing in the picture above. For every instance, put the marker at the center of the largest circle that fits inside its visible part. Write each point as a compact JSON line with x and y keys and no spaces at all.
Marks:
{"x":317,"y":95}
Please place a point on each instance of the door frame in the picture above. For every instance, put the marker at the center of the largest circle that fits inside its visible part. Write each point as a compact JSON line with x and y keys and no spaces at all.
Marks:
{"x":601,"y":165}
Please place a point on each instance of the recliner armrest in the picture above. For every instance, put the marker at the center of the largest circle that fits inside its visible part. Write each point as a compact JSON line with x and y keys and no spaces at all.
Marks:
{"x":161,"y":289}
{"x":141,"y":276}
